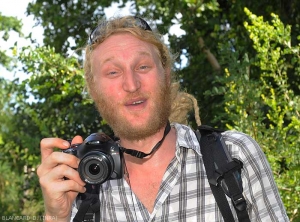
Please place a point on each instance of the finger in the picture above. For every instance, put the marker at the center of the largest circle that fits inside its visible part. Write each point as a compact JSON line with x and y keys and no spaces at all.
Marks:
{"x":56,"y":188}
{"x":60,"y":173}
{"x":48,"y":144}
{"x":57,"y":158}
{"x":69,"y":185}
{"x":77,"y":139}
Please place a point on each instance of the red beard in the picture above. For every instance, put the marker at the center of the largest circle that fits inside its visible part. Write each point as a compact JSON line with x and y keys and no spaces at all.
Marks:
{"x":123,"y":128}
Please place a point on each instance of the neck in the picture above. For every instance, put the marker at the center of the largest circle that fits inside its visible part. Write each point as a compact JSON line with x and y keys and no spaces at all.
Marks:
{"x":146,"y":145}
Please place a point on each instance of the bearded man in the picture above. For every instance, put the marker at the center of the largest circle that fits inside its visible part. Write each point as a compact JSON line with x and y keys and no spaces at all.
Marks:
{"x":128,"y":71}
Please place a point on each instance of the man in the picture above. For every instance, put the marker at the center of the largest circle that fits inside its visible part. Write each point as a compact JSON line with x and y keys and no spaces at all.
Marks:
{"x":128,"y":75}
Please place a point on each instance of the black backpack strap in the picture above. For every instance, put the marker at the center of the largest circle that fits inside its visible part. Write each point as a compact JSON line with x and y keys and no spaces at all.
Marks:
{"x":89,"y":208}
{"x":223,"y":173}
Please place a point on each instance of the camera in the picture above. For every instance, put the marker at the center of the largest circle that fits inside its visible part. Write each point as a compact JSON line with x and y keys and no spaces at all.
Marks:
{"x":100,"y":157}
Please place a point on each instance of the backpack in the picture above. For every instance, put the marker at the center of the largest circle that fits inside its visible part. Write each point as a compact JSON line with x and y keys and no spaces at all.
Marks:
{"x":223,"y":173}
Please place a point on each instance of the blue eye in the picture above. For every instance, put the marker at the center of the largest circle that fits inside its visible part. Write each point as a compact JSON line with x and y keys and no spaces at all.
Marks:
{"x":144,"y":67}
{"x":112,"y":73}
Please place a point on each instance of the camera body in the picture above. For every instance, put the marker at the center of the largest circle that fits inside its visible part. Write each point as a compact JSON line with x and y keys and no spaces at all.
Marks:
{"x":100,"y":159}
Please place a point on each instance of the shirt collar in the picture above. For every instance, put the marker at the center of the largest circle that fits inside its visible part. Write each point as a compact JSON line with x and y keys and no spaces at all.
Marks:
{"x":186,"y":138}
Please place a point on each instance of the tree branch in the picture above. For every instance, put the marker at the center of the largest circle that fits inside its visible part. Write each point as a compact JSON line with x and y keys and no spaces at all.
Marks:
{"x":210,"y":57}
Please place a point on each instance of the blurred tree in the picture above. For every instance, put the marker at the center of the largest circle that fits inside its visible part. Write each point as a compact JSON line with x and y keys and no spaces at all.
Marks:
{"x":8,"y":24}
{"x":10,"y":181}
{"x":66,"y":20}
{"x":51,"y":102}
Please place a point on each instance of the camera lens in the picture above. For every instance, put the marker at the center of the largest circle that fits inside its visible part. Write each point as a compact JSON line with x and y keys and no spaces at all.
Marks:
{"x":95,"y":168}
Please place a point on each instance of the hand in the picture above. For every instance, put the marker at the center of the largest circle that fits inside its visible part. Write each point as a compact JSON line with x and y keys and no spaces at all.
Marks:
{"x":59,"y":193}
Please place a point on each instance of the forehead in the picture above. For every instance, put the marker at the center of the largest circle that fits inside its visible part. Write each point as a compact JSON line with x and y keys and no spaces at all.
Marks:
{"x":124,"y":43}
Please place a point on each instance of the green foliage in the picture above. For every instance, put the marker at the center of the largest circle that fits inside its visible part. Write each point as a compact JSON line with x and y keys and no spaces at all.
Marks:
{"x":258,"y":93}
{"x":260,"y":101}
{"x":8,"y":24}
{"x":10,"y":183}
{"x":217,"y":22}
{"x":51,"y":102}
{"x":66,"y":20}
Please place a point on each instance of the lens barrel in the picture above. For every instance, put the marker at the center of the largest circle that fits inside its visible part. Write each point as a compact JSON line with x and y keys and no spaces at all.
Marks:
{"x":95,"y":168}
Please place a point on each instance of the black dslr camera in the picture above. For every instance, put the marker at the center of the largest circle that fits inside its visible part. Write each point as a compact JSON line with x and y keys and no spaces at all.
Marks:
{"x":100,"y":159}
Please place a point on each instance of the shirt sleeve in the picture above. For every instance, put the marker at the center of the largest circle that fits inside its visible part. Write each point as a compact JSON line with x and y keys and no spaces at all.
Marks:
{"x":260,"y":190}
{"x":73,"y":211}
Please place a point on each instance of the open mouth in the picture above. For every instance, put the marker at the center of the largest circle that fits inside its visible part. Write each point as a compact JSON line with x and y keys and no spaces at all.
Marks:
{"x":136,"y":102}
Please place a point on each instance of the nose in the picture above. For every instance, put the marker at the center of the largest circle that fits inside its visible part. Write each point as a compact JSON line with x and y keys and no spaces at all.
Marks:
{"x":131,"y":81}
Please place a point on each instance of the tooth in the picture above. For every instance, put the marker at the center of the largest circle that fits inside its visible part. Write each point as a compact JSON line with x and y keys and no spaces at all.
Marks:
{"x":137,"y":102}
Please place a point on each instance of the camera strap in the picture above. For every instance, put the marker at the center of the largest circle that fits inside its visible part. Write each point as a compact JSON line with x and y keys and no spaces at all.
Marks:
{"x":89,"y":208}
{"x":140,"y":154}
{"x":223,"y":173}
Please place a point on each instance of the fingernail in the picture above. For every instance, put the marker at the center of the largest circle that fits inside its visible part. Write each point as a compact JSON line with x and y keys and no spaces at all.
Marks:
{"x":66,"y":143}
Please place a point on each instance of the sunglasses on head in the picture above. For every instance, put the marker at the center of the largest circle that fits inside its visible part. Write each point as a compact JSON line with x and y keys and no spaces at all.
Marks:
{"x":134,"y":21}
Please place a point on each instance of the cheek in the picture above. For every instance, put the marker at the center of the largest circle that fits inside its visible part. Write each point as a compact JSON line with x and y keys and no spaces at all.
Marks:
{"x":107,"y":90}
{"x":113,"y":95}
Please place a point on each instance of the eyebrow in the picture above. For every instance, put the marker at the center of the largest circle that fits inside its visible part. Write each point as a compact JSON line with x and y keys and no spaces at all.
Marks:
{"x":142,"y":53}
{"x":107,"y":60}
{"x":145,"y":53}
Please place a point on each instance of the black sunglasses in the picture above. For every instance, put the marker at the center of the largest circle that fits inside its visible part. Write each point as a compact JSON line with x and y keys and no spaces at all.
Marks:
{"x":137,"y":21}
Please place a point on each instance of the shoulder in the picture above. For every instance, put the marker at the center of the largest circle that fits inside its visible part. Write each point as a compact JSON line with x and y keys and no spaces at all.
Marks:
{"x":259,"y":186}
{"x":256,"y":168}
{"x":239,"y":138}
{"x":242,"y":146}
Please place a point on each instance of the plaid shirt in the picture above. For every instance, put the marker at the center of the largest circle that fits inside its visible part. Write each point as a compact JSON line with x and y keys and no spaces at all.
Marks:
{"x":185,"y":194}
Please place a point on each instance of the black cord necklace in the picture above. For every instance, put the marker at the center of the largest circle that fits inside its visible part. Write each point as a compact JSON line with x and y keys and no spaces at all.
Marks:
{"x":140,"y":154}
